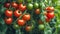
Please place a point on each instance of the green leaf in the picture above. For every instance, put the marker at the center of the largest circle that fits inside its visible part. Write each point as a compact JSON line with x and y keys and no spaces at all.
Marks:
{"x":2,"y":10}
{"x":47,"y":29}
{"x":2,"y":21}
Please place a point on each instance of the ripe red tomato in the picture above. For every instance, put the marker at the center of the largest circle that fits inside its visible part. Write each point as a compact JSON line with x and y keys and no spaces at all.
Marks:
{"x":37,"y":11}
{"x":26,"y":17}
{"x":28,"y":28}
{"x":47,"y":19}
{"x":8,"y":20}
{"x":50,"y":15}
{"x":7,"y":5}
{"x":50,"y":9}
{"x":21,"y":22}
{"x":17,"y":13}
{"x":22,"y":7}
{"x":8,"y":13}
{"x":14,"y":4}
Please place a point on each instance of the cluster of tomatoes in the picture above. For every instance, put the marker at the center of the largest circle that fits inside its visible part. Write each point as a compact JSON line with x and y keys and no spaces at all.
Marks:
{"x":49,"y":13}
{"x":19,"y":10}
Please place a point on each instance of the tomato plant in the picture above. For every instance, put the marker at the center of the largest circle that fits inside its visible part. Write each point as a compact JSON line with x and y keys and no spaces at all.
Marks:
{"x":17,"y":13}
{"x":8,"y":13}
{"x":8,"y":21}
{"x":22,"y":7}
{"x":26,"y":17}
{"x":21,"y":22}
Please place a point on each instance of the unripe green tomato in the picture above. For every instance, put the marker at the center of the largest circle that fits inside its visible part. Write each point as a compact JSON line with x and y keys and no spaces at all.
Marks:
{"x":15,"y":26}
{"x":20,"y":1}
{"x":29,"y":6}
{"x":36,"y":5}
{"x":41,"y":27}
{"x":29,"y":0}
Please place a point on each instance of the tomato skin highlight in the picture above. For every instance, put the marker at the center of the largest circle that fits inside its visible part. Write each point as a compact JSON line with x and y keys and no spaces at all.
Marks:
{"x":8,"y":21}
{"x":21,"y":22}
{"x":8,"y":13}
{"x":17,"y":13}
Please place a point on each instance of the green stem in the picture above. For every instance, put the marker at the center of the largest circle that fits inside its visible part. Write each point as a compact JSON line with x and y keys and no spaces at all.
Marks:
{"x":20,"y":16}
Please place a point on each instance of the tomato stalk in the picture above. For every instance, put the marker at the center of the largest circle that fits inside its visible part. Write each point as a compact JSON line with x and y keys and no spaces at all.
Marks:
{"x":20,"y":16}
{"x":18,"y":31}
